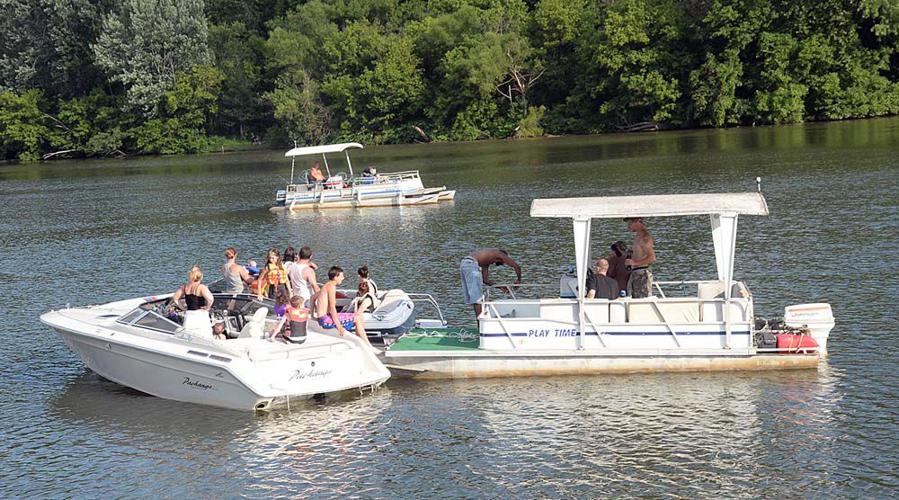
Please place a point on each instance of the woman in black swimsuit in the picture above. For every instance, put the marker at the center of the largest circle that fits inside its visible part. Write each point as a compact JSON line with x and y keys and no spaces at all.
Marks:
{"x":198,"y":300}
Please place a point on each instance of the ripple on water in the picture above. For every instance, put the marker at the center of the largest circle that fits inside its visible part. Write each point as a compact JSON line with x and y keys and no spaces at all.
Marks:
{"x":93,"y":232}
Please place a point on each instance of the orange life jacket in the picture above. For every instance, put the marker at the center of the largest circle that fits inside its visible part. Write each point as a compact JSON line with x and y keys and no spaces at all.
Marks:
{"x":276,"y":275}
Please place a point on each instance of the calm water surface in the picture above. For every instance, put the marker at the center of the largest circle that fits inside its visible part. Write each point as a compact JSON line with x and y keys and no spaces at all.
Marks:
{"x":94,"y":231}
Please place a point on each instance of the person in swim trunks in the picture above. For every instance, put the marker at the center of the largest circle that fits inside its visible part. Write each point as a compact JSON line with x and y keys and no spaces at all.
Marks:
{"x":639,"y":284}
{"x":324,"y":304}
{"x":475,"y":271}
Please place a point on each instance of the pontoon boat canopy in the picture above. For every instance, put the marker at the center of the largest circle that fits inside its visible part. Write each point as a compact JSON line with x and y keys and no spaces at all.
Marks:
{"x":723,"y":209}
{"x":667,"y":205}
{"x":327,"y":148}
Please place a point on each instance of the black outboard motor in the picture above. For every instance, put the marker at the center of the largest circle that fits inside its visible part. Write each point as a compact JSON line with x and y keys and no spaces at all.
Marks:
{"x":763,"y":337}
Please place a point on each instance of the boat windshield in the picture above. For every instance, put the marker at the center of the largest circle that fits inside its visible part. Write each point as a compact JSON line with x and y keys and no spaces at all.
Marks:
{"x":162,"y":316}
{"x":156,"y":315}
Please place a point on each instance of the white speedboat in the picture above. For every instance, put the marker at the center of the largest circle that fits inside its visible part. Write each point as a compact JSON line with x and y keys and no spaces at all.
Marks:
{"x":687,"y":325}
{"x":348,"y":190}
{"x":140,"y":343}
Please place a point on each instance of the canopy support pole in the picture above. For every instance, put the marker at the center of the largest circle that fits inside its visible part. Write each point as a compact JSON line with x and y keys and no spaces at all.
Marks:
{"x":348,"y":163}
{"x":293,"y":162}
{"x":724,"y":236}
{"x":325,"y":158}
{"x":582,"y":254}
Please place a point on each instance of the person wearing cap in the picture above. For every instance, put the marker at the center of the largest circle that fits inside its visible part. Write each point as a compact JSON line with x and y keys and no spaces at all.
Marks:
{"x":639,"y":284}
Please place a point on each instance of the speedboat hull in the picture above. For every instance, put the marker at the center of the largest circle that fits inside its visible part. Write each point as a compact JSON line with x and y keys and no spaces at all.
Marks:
{"x":240,"y":374}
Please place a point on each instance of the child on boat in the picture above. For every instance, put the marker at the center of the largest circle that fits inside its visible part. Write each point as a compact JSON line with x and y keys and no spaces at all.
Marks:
{"x":295,"y":324}
{"x":366,"y":292}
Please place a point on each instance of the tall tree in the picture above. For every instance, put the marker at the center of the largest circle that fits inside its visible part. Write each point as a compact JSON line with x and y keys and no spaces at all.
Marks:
{"x":146,"y":43}
{"x":46,"y":45}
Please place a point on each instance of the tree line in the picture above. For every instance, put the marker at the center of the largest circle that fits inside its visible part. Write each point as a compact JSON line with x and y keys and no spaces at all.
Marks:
{"x":104,"y":77}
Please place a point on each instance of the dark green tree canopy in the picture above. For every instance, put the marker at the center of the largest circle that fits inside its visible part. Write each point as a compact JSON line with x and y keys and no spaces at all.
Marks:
{"x":97,"y":77}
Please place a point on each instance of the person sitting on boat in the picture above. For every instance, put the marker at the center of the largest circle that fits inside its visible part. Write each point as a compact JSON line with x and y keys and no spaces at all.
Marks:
{"x":600,"y":286}
{"x":302,"y":275}
{"x":273,"y":276}
{"x":218,"y":330}
{"x":315,"y":174}
{"x":617,"y":269}
{"x":197,"y":302}
{"x":369,"y":175}
{"x":475,"y":271}
{"x":282,"y":300}
{"x":236,"y":275}
{"x":295,"y":324}
{"x":366,"y":293}
{"x":639,"y":284}
{"x":324,"y":307}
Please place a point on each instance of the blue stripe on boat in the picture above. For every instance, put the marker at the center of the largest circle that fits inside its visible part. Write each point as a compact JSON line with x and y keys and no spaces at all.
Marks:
{"x":616,"y":333}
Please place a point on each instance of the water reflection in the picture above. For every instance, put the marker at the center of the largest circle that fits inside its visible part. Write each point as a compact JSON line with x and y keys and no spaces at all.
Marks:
{"x":89,"y":232}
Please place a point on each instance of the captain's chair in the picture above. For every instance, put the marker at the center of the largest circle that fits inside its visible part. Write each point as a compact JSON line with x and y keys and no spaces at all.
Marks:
{"x":255,"y":327}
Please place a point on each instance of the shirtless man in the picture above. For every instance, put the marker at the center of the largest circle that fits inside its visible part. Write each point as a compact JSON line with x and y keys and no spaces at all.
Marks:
{"x":475,"y":270}
{"x":324,"y":303}
{"x":315,"y":173}
{"x":639,"y":284}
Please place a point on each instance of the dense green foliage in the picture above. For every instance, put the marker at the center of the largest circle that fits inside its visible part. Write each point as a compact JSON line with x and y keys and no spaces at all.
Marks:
{"x":97,"y":77}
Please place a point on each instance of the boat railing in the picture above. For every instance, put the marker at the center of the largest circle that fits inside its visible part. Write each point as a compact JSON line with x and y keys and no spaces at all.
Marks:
{"x":507,"y":309}
{"x":430,"y":300}
{"x":513,"y":291}
{"x":343,"y":181}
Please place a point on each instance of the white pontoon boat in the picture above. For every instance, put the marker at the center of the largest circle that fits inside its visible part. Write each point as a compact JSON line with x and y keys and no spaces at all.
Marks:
{"x":140,"y":343}
{"x":711,"y":326}
{"x":345,"y":190}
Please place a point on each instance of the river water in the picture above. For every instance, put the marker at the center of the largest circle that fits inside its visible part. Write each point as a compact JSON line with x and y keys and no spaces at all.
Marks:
{"x":85,"y":232}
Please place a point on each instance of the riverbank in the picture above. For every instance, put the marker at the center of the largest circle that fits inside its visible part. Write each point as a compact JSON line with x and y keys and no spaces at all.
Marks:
{"x":225,"y":145}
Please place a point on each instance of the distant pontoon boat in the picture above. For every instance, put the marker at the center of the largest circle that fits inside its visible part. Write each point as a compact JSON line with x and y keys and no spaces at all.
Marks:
{"x":711,"y":324}
{"x":346,"y":189}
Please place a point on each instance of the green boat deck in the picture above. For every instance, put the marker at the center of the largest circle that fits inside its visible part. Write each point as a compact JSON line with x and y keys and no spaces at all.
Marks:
{"x":438,"y":339}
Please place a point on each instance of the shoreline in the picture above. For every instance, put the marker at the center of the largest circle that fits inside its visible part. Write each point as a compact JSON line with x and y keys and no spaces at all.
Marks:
{"x":235,"y":146}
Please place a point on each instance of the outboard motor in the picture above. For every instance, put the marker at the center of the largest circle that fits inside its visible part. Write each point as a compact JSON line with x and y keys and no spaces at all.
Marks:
{"x":817,"y":318}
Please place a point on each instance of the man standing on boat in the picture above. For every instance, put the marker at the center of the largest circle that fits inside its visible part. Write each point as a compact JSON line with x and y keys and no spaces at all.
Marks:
{"x":639,"y":284}
{"x":475,"y":270}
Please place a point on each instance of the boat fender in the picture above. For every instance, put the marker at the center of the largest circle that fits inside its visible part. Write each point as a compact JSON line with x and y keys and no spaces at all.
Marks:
{"x":794,"y":342}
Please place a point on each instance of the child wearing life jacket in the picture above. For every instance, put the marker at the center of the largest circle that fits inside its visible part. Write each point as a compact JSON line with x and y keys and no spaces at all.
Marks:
{"x":273,"y":276}
{"x":295,"y":324}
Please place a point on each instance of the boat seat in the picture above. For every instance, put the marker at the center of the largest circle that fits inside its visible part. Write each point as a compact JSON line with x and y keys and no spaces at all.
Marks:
{"x":255,"y":327}
{"x":391,"y":300}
